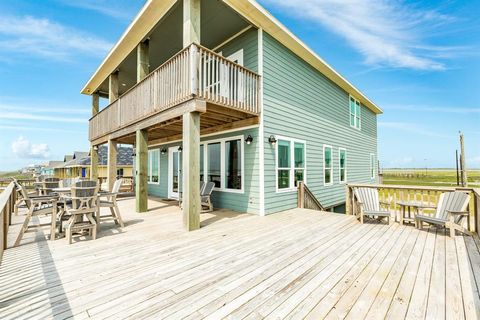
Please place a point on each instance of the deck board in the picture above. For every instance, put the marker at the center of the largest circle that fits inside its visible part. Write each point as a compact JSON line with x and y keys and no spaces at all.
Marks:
{"x":294,"y":265}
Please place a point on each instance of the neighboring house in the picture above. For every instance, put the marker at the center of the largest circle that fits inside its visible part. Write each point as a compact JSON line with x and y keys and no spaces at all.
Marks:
{"x":261,"y":110}
{"x":49,"y":169}
{"x":78,"y":164}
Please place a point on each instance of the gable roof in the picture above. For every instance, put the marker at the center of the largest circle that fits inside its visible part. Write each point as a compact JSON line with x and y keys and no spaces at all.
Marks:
{"x":124,"y":158}
{"x":80,"y":154}
{"x":154,"y":10}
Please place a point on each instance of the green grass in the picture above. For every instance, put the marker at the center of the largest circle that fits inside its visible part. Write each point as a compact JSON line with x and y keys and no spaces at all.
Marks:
{"x":430,"y":177}
{"x":15,"y":174}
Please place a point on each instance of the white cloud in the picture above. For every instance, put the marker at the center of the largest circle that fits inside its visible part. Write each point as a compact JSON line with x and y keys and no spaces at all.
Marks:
{"x":35,"y":36}
{"x":414,"y":128}
{"x":117,"y":9}
{"x":459,"y":110}
{"x":30,"y":116}
{"x":386,"y":32}
{"x":400,"y":163}
{"x":22,"y":148}
{"x":41,"y":109}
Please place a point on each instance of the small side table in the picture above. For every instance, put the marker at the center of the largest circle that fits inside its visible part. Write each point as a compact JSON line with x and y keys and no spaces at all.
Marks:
{"x":406,"y":207}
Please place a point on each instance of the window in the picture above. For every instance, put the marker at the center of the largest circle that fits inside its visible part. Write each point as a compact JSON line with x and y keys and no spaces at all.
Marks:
{"x":355,"y":118}
{"x":290,"y":161}
{"x":153,"y":166}
{"x":327,"y":165}
{"x":372,"y":166}
{"x":222,"y":161}
{"x":342,"y":164}
{"x":233,"y":164}
{"x":120,"y":173}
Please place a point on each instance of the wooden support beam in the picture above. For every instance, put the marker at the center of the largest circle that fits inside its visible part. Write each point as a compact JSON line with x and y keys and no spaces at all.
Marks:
{"x":191,"y":171}
{"x":141,"y":163}
{"x":143,"y":63}
{"x":191,"y":22}
{"x":111,"y":164}
{"x":95,"y":104}
{"x":94,"y":163}
{"x":463,"y":172}
{"x":113,"y":87}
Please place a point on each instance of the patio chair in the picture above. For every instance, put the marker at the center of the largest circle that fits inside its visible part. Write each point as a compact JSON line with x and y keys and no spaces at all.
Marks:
{"x":21,"y":200}
{"x":37,"y":205}
{"x":110,"y":201}
{"x":370,"y":205}
{"x":450,"y":213}
{"x":84,"y":204}
{"x":205,"y":196}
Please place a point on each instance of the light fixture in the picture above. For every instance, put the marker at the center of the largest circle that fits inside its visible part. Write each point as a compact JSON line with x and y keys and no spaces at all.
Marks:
{"x":124,"y":84}
{"x":249,"y":139}
{"x":134,"y":152}
{"x":180,"y":149}
{"x":95,"y":148}
{"x":163,"y":151}
{"x":272,"y":140}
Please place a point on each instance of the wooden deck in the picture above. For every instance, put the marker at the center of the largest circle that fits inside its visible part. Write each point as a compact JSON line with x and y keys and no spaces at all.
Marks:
{"x":296,"y":264}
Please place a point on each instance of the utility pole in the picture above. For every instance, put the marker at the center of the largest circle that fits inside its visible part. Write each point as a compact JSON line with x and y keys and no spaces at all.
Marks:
{"x":462,"y":161}
{"x":456,"y":165}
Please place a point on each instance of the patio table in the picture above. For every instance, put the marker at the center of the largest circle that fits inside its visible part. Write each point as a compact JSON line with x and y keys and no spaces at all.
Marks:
{"x":406,"y":207}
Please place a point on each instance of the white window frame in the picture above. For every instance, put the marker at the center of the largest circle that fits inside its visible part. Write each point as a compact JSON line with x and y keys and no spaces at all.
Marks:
{"x":149,"y":175}
{"x":331,"y":165}
{"x":357,"y":118}
{"x":292,"y":141}
{"x":372,"y":166}
{"x":340,"y":168}
{"x":223,"y":175}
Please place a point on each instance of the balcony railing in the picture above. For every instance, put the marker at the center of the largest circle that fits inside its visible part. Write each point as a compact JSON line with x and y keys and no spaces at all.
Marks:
{"x":193,"y":72}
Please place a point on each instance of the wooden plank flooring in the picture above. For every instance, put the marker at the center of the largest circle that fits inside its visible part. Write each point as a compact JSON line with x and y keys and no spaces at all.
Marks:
{"x":292,"y":265}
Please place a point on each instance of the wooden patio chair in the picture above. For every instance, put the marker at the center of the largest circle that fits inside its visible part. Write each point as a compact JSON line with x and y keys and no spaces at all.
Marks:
{"x":205,"y":197}
{"x":84,"y":204}
{"x":450,"y":213}
{"x":370,"y":205}
{"x":110,"y":201}
{"x":21,"y":200}
{"x":37,"y":206}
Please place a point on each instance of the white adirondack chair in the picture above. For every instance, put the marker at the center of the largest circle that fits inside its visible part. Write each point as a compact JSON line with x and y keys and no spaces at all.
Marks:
{"x":450,"y":213}
{"x":109,"y":200}
{"x":370,"y":205}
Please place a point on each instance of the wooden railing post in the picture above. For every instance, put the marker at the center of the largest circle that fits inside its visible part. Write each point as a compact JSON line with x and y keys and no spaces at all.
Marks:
{"x":301,"y":195}
{"x":348,"y":200}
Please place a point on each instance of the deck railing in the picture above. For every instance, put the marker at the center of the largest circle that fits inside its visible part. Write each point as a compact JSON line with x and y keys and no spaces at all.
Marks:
{"x":426,"y":195}
{"x":193,"y":72}
{"x":8,"y":197}
{"x":306,"y":199}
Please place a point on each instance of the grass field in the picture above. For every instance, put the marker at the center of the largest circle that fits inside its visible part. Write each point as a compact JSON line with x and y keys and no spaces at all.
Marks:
{"x":429,"y":177}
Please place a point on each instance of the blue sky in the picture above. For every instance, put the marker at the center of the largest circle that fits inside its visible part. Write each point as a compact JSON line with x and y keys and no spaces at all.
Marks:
{"x":419,"y":61}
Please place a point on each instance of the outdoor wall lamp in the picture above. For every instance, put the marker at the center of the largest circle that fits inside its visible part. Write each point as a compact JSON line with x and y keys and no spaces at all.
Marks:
{"x":95,"y":148}
{"x":134,"y":152}
{"x":272,"y":140}
{"x":163,"y":151}
{"x":180,"y":149}
{"x":249,"y":139}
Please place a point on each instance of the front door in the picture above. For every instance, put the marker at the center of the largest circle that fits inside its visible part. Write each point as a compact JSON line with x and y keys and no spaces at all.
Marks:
{"x":174,"y":172}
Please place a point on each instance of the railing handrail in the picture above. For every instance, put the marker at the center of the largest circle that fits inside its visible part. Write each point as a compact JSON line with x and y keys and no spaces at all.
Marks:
{"x":404,"y":187}
{"x":303,"y":193}
{"x":7,"y":203}
{"x":167,"y":62}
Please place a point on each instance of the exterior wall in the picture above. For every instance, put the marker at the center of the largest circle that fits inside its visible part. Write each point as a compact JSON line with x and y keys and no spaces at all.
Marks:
{"x":248,"y":41}
{"x":301,"y":103}
{"x":248,"y":201}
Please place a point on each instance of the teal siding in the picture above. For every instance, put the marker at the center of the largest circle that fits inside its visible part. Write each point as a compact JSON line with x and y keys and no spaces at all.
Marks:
{"x":301,"y":103}
{"x":248,"y":41}
{"x":248,"y":201}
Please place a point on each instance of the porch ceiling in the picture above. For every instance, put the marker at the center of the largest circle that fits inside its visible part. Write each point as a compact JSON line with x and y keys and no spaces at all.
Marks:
{"x":166,"y":38}
{"x":215,"y":119}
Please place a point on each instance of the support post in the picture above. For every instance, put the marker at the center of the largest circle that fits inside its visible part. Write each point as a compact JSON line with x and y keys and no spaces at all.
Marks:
{"x":143,"y":63}
{"x":94,"y":163}
{"x":141,"y":161}
{"x":113,"y":87}
{"x":95,"y":104}
{"x":462,"y":162}
{"x":111,"y":164}
{"x":191,"y":171}
{"x":191,"y":22}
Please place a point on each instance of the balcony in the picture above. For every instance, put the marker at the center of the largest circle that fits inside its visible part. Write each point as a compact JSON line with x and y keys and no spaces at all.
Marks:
{"x":195,"y":72}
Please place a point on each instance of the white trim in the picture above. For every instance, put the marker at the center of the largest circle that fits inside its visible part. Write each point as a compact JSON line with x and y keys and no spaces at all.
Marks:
{"x":149,"y":173}
{"x":232,"y":38}
{"x":170,"y":193}
{"x":340,"y":168}
{"x":222,"y":162}
{"x":291,"y":141}
{"x":331,"y":165}
{"x":253,"y":126}
{"x":359,"y":127}
{"x":261,"y":129}
{"x":372,"y":166}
